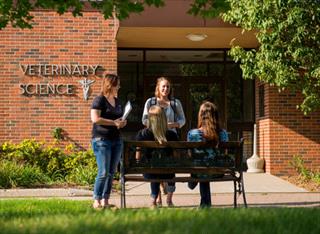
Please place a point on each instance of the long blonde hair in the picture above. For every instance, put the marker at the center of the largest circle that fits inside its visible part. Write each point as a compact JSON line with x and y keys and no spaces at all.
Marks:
{"x":109,"y":81}
{"x":208,"y":121}
{"x":157,"y":123}
{"x":157,"y":92}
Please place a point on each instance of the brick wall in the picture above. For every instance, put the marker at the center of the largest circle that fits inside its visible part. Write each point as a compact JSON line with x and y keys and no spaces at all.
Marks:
{"x":54,"y":39}
{"x":284,"y":131}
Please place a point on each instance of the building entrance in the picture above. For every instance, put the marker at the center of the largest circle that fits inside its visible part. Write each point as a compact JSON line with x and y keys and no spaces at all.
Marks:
{"x":196,"y":76}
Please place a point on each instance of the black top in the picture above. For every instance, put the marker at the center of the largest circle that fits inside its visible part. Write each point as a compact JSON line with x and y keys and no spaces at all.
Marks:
{"x":147,"y":135}
{"x":108,"y":112}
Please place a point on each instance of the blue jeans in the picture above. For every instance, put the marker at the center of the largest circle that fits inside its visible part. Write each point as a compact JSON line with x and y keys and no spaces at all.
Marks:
{"x":205,"y":193}
{"x":108,"y":154}
{"x":155,"y":186}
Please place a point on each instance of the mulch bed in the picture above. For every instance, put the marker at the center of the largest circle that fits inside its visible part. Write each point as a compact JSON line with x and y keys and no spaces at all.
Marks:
{"x":306,"y":184}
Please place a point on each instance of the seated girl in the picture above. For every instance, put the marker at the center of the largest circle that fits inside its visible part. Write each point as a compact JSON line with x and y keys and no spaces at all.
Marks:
{"x":157,"y":130}
{"x":210,"y":131}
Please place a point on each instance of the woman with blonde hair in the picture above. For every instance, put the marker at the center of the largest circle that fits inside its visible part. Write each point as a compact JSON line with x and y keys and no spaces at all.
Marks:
{"x":157,"y":130}
{"x":208,"y":130}
{"x":106,"y":112}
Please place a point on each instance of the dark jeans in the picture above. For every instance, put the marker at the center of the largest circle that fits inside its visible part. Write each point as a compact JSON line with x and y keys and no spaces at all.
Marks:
{"x":155,"y":186}
{"x":205,"y":193}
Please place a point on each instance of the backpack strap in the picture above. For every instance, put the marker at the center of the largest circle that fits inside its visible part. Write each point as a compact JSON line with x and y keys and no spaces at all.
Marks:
{"x":174,"y":108}
{"x":153,"y":101}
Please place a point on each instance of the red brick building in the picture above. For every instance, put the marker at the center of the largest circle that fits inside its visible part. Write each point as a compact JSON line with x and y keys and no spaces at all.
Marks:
{"x":43,"y":72}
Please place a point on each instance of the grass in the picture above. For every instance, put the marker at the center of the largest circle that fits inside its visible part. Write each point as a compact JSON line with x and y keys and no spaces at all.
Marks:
{"x":67,"y":216}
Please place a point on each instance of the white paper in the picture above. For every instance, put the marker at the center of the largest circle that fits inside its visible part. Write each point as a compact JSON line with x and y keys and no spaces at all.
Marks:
{"x":127,"y":110}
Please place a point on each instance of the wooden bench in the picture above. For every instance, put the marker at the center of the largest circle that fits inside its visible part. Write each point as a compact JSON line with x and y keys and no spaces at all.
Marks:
{"x":181,"y":157}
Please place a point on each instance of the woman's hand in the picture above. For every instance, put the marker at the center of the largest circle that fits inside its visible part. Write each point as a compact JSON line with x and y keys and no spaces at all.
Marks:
{"x":120,"y":123}
{"x":173,"y":125}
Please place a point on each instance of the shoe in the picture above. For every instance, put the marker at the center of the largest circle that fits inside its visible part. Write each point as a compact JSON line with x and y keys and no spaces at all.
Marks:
{"x":159,"y":203}
{"x":97,"y":206}
{"x":192,"y":185}
{"x":153,"y":205}
{"x":170,"y":204}
{"x":110,"y":206}
{"x":204,"y":206}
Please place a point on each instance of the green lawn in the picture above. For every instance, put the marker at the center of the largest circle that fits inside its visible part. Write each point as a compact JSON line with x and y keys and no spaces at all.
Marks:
{"x":65,"y":216}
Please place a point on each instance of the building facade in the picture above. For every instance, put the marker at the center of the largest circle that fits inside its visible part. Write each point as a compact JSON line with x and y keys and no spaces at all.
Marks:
{"x":50,"y":75}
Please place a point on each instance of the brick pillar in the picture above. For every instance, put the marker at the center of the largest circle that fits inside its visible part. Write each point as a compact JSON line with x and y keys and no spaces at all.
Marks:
{"x":284,"y":131}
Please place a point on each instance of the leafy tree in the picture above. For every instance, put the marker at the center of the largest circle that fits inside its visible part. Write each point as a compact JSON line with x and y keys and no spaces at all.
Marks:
{"x":17,"y":12}
{"x":289,"y":36}
{"x":288,"y":32}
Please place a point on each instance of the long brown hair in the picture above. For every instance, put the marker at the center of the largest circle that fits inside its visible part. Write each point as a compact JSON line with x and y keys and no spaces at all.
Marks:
{"x":208,"y":121}
{"x":109,"y":81}
{"x":157,"y":123}
{"x":157,"y":92}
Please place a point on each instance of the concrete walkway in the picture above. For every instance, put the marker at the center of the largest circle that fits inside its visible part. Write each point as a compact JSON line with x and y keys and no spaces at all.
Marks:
{"x":262,"y":190}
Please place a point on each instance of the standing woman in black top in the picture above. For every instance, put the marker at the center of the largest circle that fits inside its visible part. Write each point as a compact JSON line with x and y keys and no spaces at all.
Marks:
{"x":106,"y":113}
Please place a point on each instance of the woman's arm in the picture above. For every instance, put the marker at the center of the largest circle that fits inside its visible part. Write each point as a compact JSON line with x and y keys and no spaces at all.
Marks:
{"x":97,"y":119}
{"x":145,"y":112}
{"x":181,"y":119}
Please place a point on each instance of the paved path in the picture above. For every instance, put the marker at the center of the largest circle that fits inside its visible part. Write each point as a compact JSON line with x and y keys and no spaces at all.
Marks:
{"x":263,"y":190}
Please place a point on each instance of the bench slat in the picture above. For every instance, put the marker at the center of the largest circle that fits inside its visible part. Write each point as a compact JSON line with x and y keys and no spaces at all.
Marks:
{"x":182,"y":144}
{"x":165,"y":170}
{"x":178,"y":179}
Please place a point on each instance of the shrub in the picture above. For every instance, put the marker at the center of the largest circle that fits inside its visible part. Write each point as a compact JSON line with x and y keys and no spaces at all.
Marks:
{"x":306,"y":174}
{"x":14,"y":175}
{"x":82,"y":175}
{"x":67,"y":164}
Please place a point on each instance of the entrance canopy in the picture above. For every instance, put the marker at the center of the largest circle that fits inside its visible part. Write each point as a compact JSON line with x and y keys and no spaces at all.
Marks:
{"x":168,"y":27}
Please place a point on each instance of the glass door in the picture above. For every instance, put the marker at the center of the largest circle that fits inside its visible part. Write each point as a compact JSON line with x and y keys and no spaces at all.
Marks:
{"x":200,"y":92}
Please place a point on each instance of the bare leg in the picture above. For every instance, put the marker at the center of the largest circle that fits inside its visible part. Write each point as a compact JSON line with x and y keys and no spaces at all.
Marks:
{"x":164,"y":188}
{"x":159,"y":199}
{"x":169,"y":199}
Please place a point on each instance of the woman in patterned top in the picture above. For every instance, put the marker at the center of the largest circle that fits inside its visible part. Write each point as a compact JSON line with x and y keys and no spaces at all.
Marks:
{"x":210,"y":131}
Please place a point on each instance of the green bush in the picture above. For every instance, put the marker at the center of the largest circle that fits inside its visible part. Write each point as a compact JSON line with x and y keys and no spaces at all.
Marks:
{"x":14,"y":175}
{"x":48,"y":158}
{"x":60,"y":164}
{"x":82,"y":176}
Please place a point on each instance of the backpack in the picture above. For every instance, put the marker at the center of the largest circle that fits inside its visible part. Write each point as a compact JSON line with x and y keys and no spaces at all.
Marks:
{"x":173,"y":105}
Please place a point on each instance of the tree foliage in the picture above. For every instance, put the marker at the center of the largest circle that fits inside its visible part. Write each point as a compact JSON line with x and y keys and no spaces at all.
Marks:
{"x":208,"y":8}
{"x":17,"y":12}
{"x":288,"y":32}
{"x":289,"y":36}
